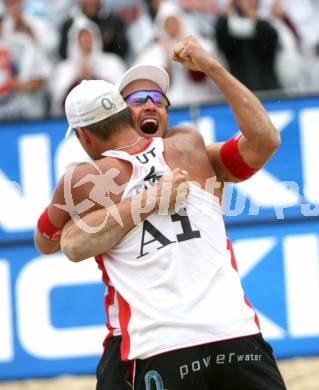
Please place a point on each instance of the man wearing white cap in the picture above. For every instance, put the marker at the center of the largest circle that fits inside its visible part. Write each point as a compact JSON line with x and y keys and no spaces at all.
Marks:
{"x":87,"y":106}
{"x":154,"y":124}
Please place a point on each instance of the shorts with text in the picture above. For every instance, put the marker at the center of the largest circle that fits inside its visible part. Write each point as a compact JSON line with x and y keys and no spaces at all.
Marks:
{"x":245,"y":363}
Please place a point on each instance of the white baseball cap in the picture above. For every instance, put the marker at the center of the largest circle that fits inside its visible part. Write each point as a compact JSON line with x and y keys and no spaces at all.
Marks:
{"x":90,"y":102}
{"x":145,"y":72}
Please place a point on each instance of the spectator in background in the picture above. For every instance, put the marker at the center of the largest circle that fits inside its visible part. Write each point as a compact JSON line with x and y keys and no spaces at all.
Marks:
{"x":170,"y":28}
{"x":38,"y":29}
{"x":7,"y":68}
{"x":288,"y":61}
{"x":112,"y":28}
{"x":201,"y":14}
{"x":24,"y":70}
{"x":306,"y":15}
{"x":249,"y":44}
{"x":86,"y":60}
{"x":314,"y":69}
{"x":140,"y":27}
{"x":153,"y":7}
{"x":54,"y":10}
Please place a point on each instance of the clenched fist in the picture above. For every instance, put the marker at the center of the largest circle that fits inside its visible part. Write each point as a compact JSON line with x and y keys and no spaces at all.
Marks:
{"x":192,"y":54}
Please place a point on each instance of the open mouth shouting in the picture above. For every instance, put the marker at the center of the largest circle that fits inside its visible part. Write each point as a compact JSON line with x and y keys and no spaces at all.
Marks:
{"x":149,"y":126}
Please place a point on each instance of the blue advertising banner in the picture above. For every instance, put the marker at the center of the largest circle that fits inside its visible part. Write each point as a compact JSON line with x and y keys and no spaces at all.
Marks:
{"x":279,"y":267}
{"x":52,"y":314}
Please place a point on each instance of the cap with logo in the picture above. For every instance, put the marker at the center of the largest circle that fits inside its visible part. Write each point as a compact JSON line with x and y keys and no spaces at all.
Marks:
{"x":90,"y":102}
{"x":145,"y":72}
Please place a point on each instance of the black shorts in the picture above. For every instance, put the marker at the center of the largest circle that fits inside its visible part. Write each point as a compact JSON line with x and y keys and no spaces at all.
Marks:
{"x":111,"y":372}
{"x":245,"y":363}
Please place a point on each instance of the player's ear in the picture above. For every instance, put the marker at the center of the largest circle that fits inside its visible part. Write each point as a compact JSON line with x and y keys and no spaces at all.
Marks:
{"x":84,"y":136}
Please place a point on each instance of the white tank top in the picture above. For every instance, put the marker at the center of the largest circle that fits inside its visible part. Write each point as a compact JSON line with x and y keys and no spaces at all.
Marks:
{"x":175,"y":284}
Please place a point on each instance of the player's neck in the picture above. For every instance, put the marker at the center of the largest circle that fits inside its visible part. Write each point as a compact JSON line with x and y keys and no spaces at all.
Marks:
{"x":128,"y":141}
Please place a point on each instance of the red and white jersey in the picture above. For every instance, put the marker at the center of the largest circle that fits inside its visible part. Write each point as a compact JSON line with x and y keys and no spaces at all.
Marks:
{"x":175,"y":280}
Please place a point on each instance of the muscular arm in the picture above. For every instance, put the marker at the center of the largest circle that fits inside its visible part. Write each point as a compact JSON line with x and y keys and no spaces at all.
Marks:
{"x":101,"y":228}
{"x":44,"y":245}
{"x":76,"y":243}
{"x":57,"y":217}
{"x":60,"y":218}
{"x":260,"y":138}
{"x":79,"y":244}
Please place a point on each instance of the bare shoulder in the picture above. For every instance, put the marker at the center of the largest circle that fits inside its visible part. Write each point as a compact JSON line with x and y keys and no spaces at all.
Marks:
{"x":183,"y":129}
{"x":187,"y":134}
{"x":99,"y":174}
{"x":80,"y":170}
{"x":90,"y":182}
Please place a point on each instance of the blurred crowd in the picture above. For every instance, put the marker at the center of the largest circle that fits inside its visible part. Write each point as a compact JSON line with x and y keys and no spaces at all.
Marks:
{"x":49,"y":46}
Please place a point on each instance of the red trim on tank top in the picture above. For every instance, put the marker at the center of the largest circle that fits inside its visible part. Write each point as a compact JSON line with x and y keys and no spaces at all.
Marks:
{"x":256,"y":317}
{"x":108,"y":298}
{"x":234,"y":265}
{"x":232,"y":255}
{"x":124,"y":316}
{"x":146,"y":145}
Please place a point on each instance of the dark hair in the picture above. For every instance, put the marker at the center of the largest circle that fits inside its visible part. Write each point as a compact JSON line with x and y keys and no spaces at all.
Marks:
{"x":106,"y":128}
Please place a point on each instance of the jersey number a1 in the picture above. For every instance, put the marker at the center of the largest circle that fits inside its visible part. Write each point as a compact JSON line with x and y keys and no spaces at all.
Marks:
{"x":187,"y":234}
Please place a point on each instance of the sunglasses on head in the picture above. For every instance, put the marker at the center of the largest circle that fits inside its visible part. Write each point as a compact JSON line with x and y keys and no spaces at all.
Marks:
{"x":139,"y":98}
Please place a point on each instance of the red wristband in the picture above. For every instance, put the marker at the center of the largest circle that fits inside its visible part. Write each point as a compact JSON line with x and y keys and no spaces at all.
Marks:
{"x":233,"y":161}
{"x":46,"y":227}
